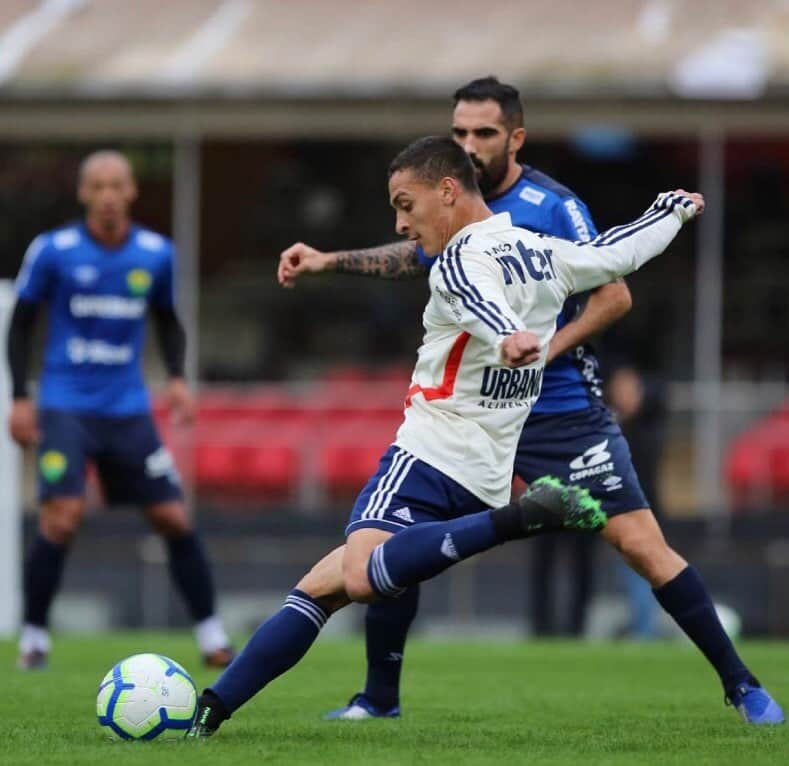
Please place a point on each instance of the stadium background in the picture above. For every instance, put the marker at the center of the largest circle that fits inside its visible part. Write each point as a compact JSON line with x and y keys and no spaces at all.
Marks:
{"x":255,"y":124}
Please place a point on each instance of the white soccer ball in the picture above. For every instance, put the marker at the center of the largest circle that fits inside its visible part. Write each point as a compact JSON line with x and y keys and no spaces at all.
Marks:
{"x":146,"y":696}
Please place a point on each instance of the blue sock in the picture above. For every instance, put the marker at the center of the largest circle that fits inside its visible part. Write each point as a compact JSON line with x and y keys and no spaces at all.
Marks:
{"x":686,"y":599}
{"x":386,"y":628}
{"x":276,"y":646}
{"x":43,"y":572}
{"x":191,"y":573}
{"x":425,"y":550}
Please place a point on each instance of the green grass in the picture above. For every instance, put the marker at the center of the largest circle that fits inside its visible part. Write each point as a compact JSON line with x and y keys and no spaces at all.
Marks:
{"x":465,"y":703}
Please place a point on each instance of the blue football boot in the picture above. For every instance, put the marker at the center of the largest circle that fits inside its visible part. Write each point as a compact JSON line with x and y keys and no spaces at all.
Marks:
{"x":755,"y":705}
{"x":360,"y":708}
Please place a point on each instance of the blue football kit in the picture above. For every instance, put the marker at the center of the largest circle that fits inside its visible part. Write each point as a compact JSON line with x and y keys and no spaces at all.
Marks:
{"x":92,"y":399}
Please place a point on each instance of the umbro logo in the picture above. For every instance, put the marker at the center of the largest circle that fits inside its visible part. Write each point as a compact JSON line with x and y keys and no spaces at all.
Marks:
{"x":448,"y":548}
{"x":404,"y":514}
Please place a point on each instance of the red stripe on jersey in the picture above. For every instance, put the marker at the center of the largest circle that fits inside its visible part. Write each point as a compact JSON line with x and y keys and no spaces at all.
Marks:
{"x":447,"y":387}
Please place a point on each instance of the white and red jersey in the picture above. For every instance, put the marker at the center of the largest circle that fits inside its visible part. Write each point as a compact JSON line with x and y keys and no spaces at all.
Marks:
{"x":465,"y":409}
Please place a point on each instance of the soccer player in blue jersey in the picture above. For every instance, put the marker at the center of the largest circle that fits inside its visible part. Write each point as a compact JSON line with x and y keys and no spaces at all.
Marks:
{"x":98,"y":279}
{"x":570,"y":433}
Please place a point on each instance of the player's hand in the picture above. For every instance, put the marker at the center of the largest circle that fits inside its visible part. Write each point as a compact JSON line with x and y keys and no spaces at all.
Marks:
{"x":23,"y":423}
{"x":301,"y":259}
{"x":520,"y":348}
{"x":686,"y":204}
{"x":180,"y":402}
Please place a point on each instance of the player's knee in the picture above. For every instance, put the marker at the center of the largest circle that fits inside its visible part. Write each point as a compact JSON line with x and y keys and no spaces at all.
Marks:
{"x":358,"y":587}
{"x":169,"y":519}
{"x":60,"y":519}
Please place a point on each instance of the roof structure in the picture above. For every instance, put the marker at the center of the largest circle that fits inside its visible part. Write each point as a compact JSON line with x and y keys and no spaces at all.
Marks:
{"x":343,"y":54}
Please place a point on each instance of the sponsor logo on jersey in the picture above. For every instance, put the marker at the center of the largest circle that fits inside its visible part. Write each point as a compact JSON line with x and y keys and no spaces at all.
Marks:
{"x":404,"y":514}
{"x":106,"y":306}
{"x":593,"y":462}
{"x":53,"y":465}
{"x":577,"y":217}
{"x":139,"y":281}
{"x":86,"y":274}
{"x":528,"y":194}
{"x":451,"y":300}
{"x":160,"y":464}
{"x":83,"y":351}
{"x":502,"y":387}
{"x":448,"y":548}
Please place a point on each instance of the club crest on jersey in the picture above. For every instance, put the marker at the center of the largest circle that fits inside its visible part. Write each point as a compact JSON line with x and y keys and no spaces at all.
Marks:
{"x":138,"y":281}
{"x":53,"y":465}
{"x":86,"y":274}
{"x":503,"y":388}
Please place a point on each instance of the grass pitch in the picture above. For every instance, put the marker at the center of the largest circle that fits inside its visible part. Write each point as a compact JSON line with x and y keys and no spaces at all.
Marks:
{"x":464,"y":703}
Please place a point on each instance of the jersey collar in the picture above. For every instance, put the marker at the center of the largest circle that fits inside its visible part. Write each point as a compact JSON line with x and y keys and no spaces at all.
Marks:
{"x":495,"y":222}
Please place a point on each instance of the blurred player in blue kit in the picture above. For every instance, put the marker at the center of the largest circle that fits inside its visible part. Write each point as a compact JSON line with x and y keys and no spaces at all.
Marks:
{"x":98,"y":279}
{"x":570,"y":433}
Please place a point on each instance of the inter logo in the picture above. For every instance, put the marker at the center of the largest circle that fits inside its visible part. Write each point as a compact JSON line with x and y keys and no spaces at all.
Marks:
{"x":138,"y":281}
{"x":53,"y":465}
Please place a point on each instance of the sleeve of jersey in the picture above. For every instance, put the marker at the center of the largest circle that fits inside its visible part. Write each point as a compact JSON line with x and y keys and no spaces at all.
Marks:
{"x":621,"y":250}
{"x":469,"y":287}
{"x":574,"y":221}
{"x":163,"y":295}
{"x":33,"y":281}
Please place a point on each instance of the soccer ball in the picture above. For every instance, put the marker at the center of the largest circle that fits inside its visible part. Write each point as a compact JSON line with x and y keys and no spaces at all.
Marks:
{"x":146,"y":696}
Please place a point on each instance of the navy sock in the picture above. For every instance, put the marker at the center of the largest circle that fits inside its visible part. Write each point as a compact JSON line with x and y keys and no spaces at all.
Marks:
{"x":386,"y":628}
{"x":191,"y":573}
{"x":425,"y":550}
{"x":276,"y":646}
{"x":43,"y":572}
{"x":686,"y":599}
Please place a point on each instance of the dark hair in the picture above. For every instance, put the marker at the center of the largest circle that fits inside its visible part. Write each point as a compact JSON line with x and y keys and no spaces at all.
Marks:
{"x":435,"y":157}
{"x":490,"y":89}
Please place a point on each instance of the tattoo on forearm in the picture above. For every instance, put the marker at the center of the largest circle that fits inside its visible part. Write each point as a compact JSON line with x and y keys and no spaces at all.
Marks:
{"x":396,"y":261}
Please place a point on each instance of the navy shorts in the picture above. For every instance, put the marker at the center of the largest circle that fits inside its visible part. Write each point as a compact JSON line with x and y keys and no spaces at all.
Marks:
{"x":406,"y":491}
{"x":584,"y":447}
{"x":133,"y":465}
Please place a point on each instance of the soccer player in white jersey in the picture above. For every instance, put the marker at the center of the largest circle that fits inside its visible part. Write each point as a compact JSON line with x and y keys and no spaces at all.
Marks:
{"x":492,"y":311}
{"x":568,"y":427}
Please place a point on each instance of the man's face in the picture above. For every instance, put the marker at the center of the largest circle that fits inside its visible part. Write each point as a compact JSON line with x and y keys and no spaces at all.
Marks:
{"x":107,"y":190}
{"x":479,"y":128}
{"x":422,"y":212}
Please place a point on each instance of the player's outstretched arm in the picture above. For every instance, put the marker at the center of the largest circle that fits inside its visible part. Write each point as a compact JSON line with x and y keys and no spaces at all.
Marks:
{"x":624,"y":249}
{"x":393,"y":261}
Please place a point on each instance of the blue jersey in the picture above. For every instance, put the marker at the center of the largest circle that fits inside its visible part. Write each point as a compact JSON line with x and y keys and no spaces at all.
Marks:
{"x":537,"y":202}
{"x":97,"y":299}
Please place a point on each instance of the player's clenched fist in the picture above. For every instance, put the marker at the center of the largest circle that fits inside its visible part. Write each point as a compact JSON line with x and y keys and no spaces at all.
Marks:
{"x":301,"y":259}
{"x":522,"y":347}
{"x":686,"y":204}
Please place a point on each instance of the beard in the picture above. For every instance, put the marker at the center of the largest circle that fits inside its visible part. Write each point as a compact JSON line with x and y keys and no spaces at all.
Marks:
{"x":491,"y":175}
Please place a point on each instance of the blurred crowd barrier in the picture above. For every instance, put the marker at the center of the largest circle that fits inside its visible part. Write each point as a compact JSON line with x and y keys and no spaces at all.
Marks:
{"x":312,"y":446}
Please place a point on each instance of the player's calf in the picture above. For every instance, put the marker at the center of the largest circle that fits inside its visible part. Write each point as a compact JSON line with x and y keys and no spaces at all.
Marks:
{"x":425,"y":550}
